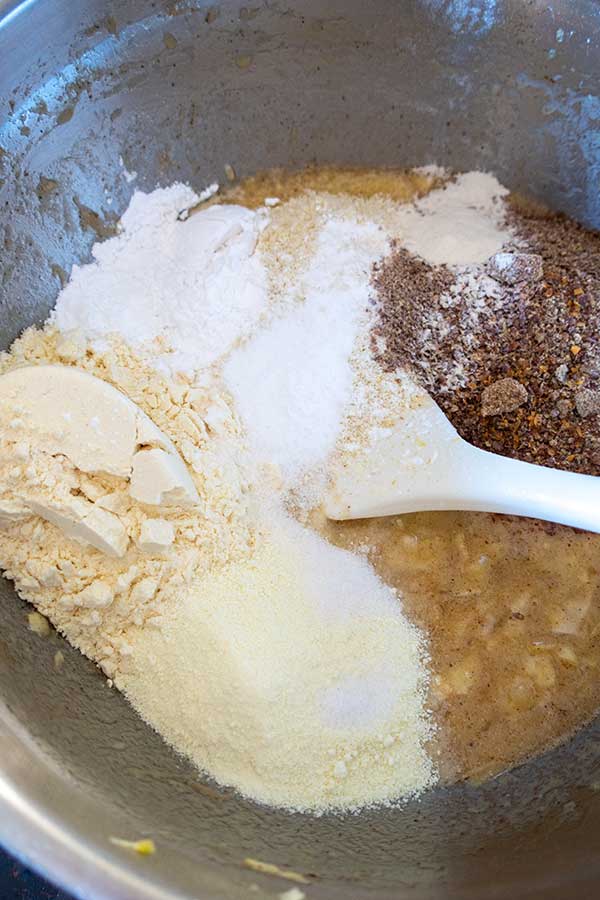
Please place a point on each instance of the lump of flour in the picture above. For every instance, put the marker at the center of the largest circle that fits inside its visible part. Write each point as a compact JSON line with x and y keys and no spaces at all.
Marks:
{"x":97,"y":543}
{"x":63,"y":432}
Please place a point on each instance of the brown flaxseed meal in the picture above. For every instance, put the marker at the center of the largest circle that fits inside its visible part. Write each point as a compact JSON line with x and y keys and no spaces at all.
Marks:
{"x":531,"y":315}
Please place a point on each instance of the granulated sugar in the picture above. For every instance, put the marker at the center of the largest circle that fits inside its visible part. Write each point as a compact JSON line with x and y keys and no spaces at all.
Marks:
{"x":292,"y":381}
{"x":181,"y":292}
{"x":293,"y":676}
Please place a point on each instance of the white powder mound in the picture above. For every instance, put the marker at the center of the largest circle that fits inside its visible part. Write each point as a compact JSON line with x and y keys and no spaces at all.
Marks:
{"x":183,"y":291}
{"x":292,"y":381}
{"x":293,"y":677}
{"x":458,"y":224}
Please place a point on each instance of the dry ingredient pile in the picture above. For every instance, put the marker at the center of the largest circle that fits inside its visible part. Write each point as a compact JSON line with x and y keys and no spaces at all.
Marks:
{"x":509,"y":349}
{"x":311,"y":666}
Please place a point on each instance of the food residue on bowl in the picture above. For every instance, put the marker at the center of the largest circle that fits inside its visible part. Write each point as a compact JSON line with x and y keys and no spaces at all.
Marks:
{"x":144,"y":846}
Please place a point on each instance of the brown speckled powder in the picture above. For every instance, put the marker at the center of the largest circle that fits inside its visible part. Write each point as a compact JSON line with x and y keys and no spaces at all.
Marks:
{"x":533,"y":316}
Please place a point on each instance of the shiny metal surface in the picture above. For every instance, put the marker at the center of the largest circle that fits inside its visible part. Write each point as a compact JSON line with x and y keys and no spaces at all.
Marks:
{"x":176,"y":89}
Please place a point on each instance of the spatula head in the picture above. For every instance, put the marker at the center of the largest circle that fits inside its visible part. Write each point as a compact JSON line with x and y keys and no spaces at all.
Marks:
{"x":401,"y":468}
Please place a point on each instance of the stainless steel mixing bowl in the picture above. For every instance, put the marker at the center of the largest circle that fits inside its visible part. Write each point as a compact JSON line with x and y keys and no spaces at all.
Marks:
{"x":176,"y":89}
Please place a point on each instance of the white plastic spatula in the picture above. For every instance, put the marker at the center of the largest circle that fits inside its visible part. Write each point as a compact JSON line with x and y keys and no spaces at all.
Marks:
{"x":422,"y":464}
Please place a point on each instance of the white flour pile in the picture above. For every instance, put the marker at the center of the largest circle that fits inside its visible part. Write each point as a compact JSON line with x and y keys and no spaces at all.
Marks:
{"x":280,"y":665}
{"x":206,"y":266}
{"x":460,"y":224}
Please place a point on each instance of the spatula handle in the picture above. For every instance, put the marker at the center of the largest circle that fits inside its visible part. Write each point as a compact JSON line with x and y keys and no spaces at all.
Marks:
{"x":497,"y":484}
{"x":462,"y":477}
